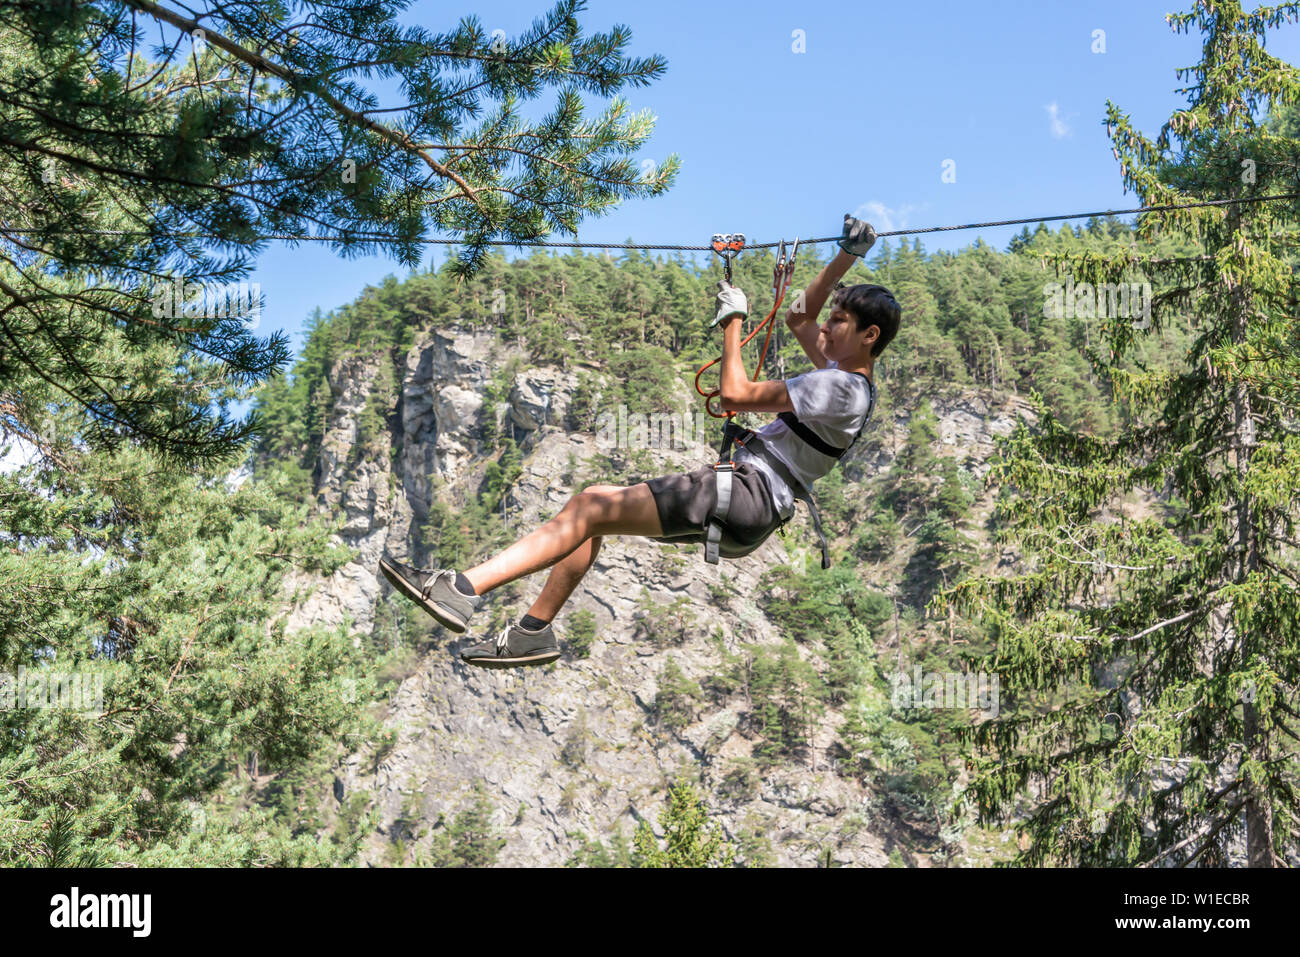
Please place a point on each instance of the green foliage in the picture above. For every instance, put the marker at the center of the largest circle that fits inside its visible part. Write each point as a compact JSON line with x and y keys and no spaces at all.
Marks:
{"x":594,"y":853}
{"x":906,"y":756}
{"x":833,"y":607}
{"x":689,"y":841}
{"x":973,"y":319}
{"x":877,"y":538}
{"x":178,"y":616}
{"x":127,"y":560}
{"x":741,"y":780}
{"x":677,"y":698}
{"x":581,"y":633}
{"x":912,"y":473}
{"x":454,"y":535}
{"x":787,"y":697}
{"x":496,"y":393}
{"x":500,"y":475}
{"x":1153,"y":661}
{"x":577,"y":740}
{"x":584,"y":403}
{"x":469,"y":840}
{"x":755,"y":846}
{"x":663,"y":624}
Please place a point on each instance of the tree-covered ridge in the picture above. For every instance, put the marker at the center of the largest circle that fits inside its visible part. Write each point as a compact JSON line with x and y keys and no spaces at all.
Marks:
{"x":975,"y":317}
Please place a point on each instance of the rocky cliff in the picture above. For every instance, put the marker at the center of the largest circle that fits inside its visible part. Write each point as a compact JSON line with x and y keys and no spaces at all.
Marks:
{"x":573,"y":749}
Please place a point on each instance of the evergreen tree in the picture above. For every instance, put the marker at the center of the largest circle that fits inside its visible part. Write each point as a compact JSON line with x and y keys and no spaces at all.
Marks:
{"x":689,"y":841}
{"x":131,"y":184}
{"x":1174,"y":637}
{"x":161,"y":593}
{"x":677,"y":697}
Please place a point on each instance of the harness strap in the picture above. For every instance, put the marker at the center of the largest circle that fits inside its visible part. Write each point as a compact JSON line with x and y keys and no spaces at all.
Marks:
{"x":755,"y":446}
{"x":713,"y":535}
{"x":748,"y":440}
{"x":809,"y":436}
{"x":816,"y":441}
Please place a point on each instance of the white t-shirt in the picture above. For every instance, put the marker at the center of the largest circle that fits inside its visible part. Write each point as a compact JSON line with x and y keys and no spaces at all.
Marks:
{"x":830,"y":402}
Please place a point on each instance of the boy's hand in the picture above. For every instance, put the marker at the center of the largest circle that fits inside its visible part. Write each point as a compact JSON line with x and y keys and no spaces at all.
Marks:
{"x":858,"y":237}
{"x":731,"y":302}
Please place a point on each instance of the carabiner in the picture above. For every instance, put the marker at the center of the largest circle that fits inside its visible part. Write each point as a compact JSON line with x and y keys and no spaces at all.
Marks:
{"x":778,"y":270}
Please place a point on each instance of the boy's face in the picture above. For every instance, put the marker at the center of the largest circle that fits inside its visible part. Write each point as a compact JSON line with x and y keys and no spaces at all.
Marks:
{"x":840,"y":339}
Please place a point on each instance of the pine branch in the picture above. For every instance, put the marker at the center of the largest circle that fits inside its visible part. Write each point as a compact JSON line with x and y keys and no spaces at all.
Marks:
{"x":306,"y":85}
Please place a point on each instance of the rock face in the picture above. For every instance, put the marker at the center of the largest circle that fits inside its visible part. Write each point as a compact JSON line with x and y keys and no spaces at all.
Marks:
{"x":360,"y":490}
{"x":572,"y":749}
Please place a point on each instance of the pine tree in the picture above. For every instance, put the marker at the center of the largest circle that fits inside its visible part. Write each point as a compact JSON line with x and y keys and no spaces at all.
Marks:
{"x":161,"y":593}
{"x":688,"y":839}
{"x":1173,"y":637}
{"x":136,"y":190}
{"x":677,"y":697}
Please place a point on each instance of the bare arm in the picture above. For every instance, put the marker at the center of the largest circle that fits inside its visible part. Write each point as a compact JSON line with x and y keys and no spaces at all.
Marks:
{"x":803,"y":322}
{"x":739,"y":394}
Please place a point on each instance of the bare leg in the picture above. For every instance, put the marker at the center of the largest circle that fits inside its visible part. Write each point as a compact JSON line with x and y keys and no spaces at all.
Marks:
{"x":600,"y":510}
{"x":564,"y":578}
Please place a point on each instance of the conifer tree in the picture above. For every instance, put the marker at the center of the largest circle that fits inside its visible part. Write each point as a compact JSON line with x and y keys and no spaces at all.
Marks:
{"x":138,"y":183}
{"x":159,"y":594}
{"x":689,"y":841}
{"x":1175,"y":637}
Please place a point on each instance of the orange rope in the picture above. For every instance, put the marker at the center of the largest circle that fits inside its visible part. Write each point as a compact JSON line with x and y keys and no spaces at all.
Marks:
{"x":710,"y":396}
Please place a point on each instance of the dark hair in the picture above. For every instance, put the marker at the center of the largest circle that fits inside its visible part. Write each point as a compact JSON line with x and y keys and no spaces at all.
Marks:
{"x":871,"y":305}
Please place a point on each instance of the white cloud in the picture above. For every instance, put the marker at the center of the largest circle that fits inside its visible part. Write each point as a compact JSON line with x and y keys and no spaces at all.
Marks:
{"x":1060,"y":128}
{"x":884,"y":218}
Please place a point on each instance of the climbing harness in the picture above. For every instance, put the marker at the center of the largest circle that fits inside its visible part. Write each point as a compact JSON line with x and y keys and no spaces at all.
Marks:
{"x":749,"y":440}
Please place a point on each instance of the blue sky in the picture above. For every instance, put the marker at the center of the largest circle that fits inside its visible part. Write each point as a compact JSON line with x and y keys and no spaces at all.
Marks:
{"x":776,"y":143}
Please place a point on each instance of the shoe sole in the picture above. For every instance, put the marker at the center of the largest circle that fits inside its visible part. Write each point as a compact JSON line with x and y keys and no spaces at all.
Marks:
{"x":532,"y":660}
{"x":403,"y":586}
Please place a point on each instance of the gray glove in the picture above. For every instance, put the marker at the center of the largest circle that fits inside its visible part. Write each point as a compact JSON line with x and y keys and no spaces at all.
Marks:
{"x":858,"y":237}
{"x":731,"y":302}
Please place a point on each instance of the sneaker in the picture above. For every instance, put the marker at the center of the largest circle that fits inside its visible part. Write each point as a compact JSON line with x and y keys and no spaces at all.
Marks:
{"x":434,"y":591}
{"x":515,"y":647}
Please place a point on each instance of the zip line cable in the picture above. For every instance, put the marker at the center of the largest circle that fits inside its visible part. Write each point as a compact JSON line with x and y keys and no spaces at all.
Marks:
{"x":370,"y":237}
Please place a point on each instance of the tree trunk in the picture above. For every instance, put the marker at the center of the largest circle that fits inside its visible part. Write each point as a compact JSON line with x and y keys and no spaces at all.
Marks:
{"x":1258,"y":806}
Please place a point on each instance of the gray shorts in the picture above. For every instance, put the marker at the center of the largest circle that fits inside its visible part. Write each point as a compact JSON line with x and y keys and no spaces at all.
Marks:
{"x":685,"y":500}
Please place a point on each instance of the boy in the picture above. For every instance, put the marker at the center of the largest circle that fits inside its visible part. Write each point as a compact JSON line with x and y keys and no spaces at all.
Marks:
{"x":822,"y":413}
